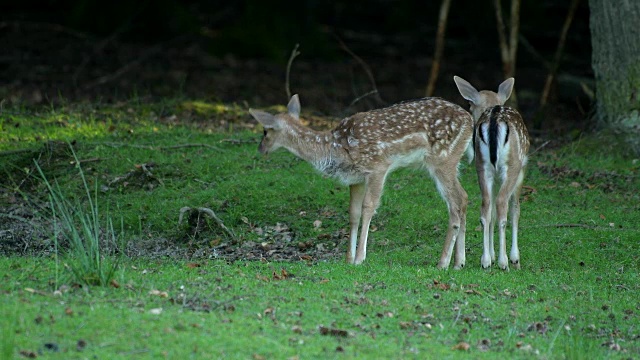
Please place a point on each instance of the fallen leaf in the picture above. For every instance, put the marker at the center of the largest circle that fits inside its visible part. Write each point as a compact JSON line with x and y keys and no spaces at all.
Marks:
{"x":463,"y":346}
{"x":297,"y":329}
{"x":602,"y":217}
{"x":156,"y":311}
{"x":28,"y":354}
{"x":114,"y":284}
{"x":282,"y":275}
{"x":193,"y":265}
{"x":68,"y":311}
{"x":34,"y":291}
{"x":258,"y":357}
{"x":332,"y":331}
{"x":317,"y":224}
{"x":575,"y":184}
{"x":81,"y":344}
{"x":53,"y":347}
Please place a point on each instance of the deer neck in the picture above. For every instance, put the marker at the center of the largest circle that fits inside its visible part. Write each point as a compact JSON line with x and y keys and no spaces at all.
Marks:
{"x":315,"y":147}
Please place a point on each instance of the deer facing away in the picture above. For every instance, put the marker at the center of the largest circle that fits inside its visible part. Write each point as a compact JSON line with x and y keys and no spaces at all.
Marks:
{"x":363,"y":149}
{"x":501,"y":143}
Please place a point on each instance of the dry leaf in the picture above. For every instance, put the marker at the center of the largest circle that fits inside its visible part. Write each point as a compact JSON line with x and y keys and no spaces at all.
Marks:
{"x":162,"y":294}
{"x":317,"y":224}
{"x":193,"y":265}
{"x":462,"y":346}
{"x":333,"y":332}
{"x":28,"y":354}
{"x":114,"y":284}
{"x":81,"y":344}
{"x":68,"y":311}
{"x":156,"y":311}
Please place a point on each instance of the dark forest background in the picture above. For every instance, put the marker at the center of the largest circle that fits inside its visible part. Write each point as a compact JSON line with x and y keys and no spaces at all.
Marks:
{"x":237,"y":51}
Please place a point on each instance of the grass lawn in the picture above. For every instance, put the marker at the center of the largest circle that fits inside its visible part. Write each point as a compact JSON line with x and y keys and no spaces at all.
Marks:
{"x":186,"y":290}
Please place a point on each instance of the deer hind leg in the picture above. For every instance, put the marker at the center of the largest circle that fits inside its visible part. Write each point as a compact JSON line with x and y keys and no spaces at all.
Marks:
{"x":373,"y":191}
{"x":355,"y":213}
{"x":487,"y":216}
{"x":456,"y":199}
{"x":460,"y":256}
{"x":507,"y":190}
{"x":514,"y":256}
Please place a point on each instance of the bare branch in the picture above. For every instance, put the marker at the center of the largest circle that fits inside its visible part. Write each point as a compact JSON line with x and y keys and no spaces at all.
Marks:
{"x":556,"y":59}
{"x":294,"y":54}
{"x":435,"y":65}
{"x":513,"y":39}
{"x":502,"y":38}
{"x":364,"y":65}
{"x":122,"y":70}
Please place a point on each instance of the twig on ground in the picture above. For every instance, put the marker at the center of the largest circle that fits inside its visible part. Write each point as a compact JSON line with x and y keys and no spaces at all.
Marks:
{"x":364,"y":65}
{"x":209,"y":213}
{"x":294,"y":53}
{"x":144,"y":168}
{"x":19,"y":218}
{"x":82,"y":161}
{"x":147,"y":172}
{"x":152,"y":147}
{"x":540,"y":147}
{"x":13,"y":152}
{"x":435,"y":65}
{"x":238,"y":141}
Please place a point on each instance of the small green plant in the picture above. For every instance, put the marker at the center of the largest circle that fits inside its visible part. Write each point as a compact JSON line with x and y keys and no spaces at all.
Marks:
{"x":83,"y":230}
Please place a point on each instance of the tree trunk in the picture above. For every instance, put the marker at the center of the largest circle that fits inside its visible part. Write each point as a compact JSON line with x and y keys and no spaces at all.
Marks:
{"x":615,"y":37}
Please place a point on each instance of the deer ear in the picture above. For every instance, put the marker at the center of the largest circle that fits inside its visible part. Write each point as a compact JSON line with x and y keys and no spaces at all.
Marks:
{"x":467,"y":90}
{"x":267,"y":120}
{"x":504,"y":90}
{"x":294,"y":107}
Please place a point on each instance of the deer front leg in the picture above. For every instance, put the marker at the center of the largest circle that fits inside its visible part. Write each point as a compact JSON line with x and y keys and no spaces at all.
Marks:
{"x":355,"y":213}
{"x":372,"y":193}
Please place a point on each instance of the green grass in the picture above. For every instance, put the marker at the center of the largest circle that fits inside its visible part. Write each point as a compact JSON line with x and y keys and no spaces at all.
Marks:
{"x":576,"y":296}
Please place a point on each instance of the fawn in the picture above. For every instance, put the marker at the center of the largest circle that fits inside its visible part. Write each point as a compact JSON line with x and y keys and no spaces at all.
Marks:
{"x":501,"y":143}
{"x":363,"y":149}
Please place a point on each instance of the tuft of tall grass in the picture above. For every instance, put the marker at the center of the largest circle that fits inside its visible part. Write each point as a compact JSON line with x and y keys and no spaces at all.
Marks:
{"x":83,"y":229}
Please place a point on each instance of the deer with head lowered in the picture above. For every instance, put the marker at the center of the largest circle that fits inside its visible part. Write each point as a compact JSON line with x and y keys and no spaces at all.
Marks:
{"x":501,"y":143}
{"x":364,"y":148}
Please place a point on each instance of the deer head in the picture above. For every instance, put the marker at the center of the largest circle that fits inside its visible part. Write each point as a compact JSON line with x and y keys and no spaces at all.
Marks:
{"x":275,"y":125}
{"x":481,"y":100}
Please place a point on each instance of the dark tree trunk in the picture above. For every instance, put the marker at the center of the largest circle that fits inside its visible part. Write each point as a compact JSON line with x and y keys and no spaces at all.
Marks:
{"x":615,"y":36}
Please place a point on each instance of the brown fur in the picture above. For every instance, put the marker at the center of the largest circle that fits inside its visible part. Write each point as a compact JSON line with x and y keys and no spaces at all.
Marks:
{"x":512,"y":146}
{"x":363,"y":149}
